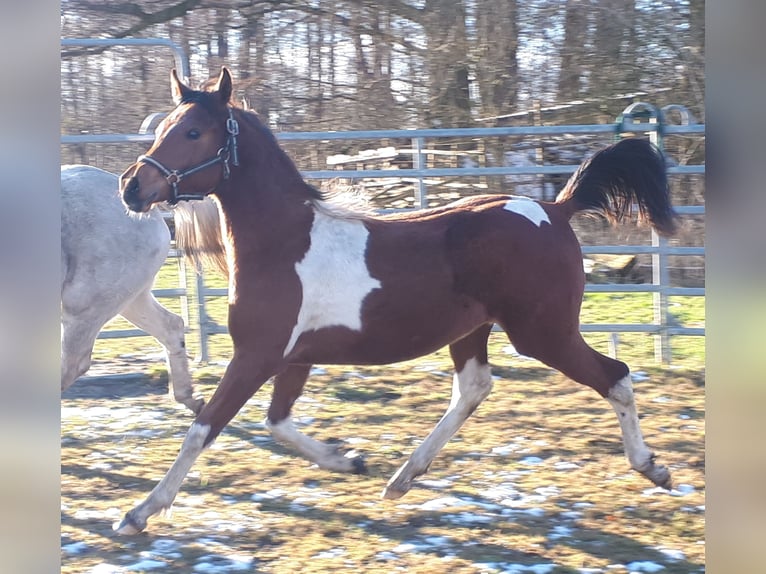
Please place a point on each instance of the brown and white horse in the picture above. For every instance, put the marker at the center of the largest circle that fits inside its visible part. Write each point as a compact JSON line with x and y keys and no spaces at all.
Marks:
{"x":313,"y":283}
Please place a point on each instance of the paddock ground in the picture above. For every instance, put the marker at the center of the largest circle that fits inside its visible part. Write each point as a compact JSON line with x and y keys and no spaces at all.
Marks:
{"x":536,"y":480}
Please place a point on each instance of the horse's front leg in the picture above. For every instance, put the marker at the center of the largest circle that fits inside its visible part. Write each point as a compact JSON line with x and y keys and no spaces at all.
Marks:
{"x":288,"y":386}
{"x":243,"y":377}
{"x":471,"y":384}
{"x":145,"y":312}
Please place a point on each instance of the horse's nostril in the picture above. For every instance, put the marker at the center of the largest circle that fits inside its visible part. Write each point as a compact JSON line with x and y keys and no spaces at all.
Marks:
{"x":131,"y":188}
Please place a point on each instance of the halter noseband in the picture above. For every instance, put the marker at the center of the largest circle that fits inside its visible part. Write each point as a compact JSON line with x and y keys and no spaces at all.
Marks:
{"x":174,"y":177}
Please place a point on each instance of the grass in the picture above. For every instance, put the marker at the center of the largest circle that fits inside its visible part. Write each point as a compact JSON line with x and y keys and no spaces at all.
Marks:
{"x":250,"y":499}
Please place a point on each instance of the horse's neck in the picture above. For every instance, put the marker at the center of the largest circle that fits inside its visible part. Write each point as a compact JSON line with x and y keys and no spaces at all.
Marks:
{"x":261,"y":222}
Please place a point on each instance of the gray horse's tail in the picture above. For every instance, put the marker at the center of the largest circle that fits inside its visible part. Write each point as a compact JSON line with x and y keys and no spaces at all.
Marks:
{"x":198,"y":234}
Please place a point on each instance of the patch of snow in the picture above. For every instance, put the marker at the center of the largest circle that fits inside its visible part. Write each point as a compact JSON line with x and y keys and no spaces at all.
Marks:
{"x":165,"y":545}
{"x":75,"y":547}
{"x":531,"y":460}
{"x":505,"y":450}
{"x":563,"y":465}
{"x":146,"y":564}
{"x":671,"y":554}
{"x":639,"y":376}
{"x":440,"y":503}
{"x":386,"y":555}
{"x":268,"y":495}
{"x":644,"y":566}
{"x":468,"y":518}
{"x":436,"y":483}
{"x":106,"y":569}
{"x":560,"y":532}
{"x":332,"y":553}
{"x":548,"y":490}
{"x":680,"y":490}
{"x":224,"y":564}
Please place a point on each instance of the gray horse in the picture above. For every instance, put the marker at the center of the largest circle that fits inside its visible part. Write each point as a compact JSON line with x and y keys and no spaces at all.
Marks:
{"x":108,"y":262}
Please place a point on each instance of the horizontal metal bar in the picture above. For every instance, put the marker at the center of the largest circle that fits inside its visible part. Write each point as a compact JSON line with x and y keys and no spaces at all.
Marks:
{"x":121,"y":333}
{"x":622,"y":288}
{"x":450,"y":132}
{"x":620,"y":328}
{"x":215,"y":292}
{"x":175,"y":292}
{"x":467,"y":171}
{"x":690,"y":209}
{"x":106,"y":138}
{"x":685,"y":291}
{"x":644,"y":288}
{"x":671,"y":129}
{"x":416,"y":133}
{"x":687,"y":331}
{"x":640,"y":249}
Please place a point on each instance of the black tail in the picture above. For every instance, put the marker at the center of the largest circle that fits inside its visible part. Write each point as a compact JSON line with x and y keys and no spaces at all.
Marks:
{"x":615,"y":178}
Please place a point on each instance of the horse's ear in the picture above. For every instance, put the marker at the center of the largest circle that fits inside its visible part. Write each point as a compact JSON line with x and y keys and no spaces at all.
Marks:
{"x":223,"y":86}
{"x":177,"y":88}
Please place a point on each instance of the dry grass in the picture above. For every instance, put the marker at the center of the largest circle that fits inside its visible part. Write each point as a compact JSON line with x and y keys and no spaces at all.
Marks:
{"x":484,"y":505}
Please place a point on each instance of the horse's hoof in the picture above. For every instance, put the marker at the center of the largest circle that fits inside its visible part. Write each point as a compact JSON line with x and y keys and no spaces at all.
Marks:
{"x":658,"y":475}
{"x":358,"y":465}
{"x":128,"y":526}
{"x":197,"y":405}
{"x":390,"y":493}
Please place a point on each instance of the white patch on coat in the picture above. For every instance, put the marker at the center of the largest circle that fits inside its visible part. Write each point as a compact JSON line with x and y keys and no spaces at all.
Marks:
{"x":528,"y":208}
{"x":334,"y":277}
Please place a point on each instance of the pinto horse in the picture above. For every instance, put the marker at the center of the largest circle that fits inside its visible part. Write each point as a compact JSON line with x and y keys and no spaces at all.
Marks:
{"x":312,"y":282}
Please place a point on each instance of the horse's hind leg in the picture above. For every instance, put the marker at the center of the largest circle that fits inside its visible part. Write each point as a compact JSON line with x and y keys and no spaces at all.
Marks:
{"x":571,"y":355}
{"x":146,"y":313}
{"x":471,"y":384}
{"x":288,"y":386}
{"x":77,"y":338}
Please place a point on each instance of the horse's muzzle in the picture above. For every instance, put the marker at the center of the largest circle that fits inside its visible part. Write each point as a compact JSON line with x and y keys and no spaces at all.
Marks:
{"x":130,"y":189}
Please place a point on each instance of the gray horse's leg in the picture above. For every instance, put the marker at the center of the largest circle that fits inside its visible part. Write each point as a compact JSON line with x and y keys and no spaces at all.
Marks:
{"x":146,"y":313}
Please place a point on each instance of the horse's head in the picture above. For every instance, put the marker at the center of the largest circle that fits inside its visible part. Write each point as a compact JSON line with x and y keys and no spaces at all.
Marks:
{"x":193,"y":149}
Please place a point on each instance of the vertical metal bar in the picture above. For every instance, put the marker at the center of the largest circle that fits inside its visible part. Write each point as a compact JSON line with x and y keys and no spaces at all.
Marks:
{"x":418,"y":157}
{"x":660,"y":275}
{"x":183,"y":283}
{"x":202,"y":319}
{"x":612,"y":343}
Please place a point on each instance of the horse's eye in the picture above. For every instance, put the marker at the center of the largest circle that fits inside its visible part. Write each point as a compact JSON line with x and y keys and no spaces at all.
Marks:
{"x":193,"y":134}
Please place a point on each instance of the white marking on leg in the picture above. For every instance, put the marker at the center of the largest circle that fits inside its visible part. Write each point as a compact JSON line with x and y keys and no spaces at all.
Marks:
{"x":528,"y":208}
{"x":641,"y":458}
{"x":469,"y":388}
{"x":326,"y":456}
{"x":621,"y":398}
{"x":334,"y":276}
{"x":165,"y":492}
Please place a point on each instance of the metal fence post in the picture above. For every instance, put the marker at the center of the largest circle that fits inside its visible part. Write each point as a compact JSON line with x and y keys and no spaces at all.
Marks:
{"x":660,"y":272}
{"x":419,"y":161}
{"x":202,"y":318}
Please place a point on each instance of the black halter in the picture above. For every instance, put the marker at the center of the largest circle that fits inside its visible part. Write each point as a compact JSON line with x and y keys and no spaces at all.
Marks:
{"x":174,"y":177}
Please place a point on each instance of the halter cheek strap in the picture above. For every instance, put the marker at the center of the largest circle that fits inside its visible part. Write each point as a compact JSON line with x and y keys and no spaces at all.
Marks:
{"x":226,"y":153}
